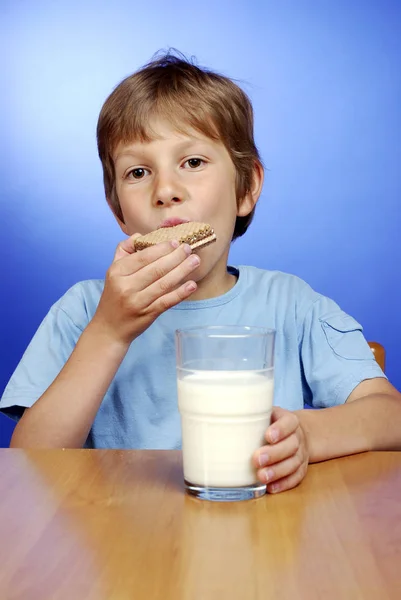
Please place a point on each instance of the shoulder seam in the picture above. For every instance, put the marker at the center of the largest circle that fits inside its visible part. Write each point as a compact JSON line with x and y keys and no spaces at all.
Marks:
{"x":311,"y":307}
{"x":72,"y":320}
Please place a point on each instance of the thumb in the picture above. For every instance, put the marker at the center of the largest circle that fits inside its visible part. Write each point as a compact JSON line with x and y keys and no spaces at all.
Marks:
{"x":126,"y":247}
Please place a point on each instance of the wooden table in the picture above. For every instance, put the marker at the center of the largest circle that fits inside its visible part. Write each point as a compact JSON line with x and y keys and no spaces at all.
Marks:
{"x":116,"y":525}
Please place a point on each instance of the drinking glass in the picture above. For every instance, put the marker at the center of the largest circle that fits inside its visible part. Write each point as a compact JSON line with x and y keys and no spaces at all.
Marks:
{"x":225,"y":380}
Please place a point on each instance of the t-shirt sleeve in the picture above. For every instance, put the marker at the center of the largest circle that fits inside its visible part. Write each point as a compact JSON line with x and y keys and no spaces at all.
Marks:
{"x":335,"y":356}
{"x":42,"y":361}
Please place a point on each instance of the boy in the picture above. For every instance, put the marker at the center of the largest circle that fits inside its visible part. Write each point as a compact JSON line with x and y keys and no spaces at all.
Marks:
{"x":176,"y":144}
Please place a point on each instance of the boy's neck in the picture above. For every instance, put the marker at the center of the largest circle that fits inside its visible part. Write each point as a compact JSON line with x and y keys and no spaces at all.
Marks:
{"x":215,"y":284}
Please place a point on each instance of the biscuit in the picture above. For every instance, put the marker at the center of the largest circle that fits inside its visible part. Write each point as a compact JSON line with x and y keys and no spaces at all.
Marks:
{"x":197,"y":235}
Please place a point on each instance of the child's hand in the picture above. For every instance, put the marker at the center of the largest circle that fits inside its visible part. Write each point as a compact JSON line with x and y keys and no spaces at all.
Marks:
{"x":139,"y":286}
{"x":283,"y":463}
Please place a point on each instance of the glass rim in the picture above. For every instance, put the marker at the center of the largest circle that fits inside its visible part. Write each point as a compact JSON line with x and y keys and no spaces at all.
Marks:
{"x":211,"y":331}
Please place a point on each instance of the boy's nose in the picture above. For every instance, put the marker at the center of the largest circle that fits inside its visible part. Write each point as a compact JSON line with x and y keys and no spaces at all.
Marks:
{"x":167,"y":192}
{"x":166,"y":201}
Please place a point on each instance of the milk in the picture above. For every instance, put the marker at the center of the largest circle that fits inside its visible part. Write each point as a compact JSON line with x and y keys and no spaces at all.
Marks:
{"x":224,"y":417}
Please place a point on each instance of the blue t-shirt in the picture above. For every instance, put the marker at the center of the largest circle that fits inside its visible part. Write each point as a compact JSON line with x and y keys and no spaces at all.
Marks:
{"x":320,"y":355}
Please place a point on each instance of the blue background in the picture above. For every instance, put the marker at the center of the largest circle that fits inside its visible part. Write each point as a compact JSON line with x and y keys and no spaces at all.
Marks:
{"x":325,"y":81}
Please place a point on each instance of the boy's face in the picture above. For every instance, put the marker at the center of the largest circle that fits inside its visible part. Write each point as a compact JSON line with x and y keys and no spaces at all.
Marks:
{"x":179,"y":176}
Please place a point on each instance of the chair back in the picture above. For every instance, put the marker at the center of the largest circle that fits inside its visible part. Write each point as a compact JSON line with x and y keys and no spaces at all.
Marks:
{"x":379,"y":354}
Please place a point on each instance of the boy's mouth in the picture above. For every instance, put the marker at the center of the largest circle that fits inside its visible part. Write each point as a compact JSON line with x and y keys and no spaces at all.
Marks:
{"x":172,"y":222}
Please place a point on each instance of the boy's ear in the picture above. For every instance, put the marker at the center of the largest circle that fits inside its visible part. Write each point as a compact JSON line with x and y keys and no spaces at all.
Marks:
{"x":121,"y":223}
{"x":248,"y":202}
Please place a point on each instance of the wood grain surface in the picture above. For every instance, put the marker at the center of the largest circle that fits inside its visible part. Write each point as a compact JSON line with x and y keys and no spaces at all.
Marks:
{"x":117,"y":525}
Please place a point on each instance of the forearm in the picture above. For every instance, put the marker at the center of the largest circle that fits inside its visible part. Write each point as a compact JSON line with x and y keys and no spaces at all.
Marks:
{"x":63,"y":416}
{"x":369,"y":423}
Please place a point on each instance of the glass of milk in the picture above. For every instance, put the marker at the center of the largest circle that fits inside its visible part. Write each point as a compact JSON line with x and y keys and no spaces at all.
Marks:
{"x":225,"y":379}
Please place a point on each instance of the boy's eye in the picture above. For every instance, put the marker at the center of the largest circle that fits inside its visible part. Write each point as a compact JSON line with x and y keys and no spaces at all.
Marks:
{"x":137,"y":173}
{"x":194,"y":163}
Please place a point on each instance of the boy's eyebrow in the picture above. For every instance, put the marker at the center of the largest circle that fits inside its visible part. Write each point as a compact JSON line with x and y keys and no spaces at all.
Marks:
{"x":181,"y":146}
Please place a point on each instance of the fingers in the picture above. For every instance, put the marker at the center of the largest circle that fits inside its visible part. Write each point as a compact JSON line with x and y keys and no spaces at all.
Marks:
{"x":173,"y":298}
{"x":168,"y":271}
{"x":128,"y":261}
{"x":132,"y":263}
{"x":282,"y":469}
{"x":284,"y":423}
{"x":166,"y":277}
{"x":153,"y":280}
{"x":288,"y":482}
{"x":161,"y":276}
{"x":269,"y":455}
{"x":282,"y":464}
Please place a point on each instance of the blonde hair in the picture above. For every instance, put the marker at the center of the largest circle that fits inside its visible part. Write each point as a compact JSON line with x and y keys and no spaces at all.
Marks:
{"x":186,"y":95}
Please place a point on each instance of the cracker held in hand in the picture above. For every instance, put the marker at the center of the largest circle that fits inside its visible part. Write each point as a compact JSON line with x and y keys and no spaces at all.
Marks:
{"x":197,"y":235}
